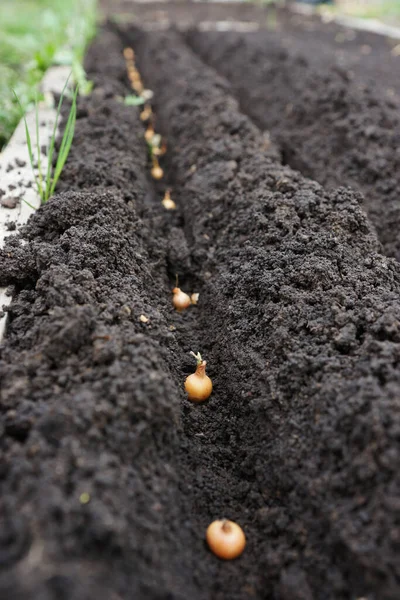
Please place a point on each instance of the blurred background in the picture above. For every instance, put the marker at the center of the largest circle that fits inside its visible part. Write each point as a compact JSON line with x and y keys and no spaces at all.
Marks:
{"x":35,"y":34}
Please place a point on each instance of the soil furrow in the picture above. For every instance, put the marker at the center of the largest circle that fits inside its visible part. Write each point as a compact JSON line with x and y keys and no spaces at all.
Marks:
{"x":329,"y":123}
{"x":301,"y":318}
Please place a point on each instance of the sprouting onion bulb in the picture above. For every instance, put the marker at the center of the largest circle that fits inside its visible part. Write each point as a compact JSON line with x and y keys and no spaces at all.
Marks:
{"x":225,"y":539}
{"x":180,"y":300}
{"x":198,"y":385}
{"x":169,"y":204}
{"x":156,"y":171}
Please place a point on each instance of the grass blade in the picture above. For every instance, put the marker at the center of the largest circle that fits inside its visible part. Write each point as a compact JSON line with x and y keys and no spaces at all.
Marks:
{"x":29,"y":204}
{"x":29,"y":144}
{"x":39,"y":162}
{"x":52,"y":144}
{"x":65,"y":143}
{"x":46,"y":185}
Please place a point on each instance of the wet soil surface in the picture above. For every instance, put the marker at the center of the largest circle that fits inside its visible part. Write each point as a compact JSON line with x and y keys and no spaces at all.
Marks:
{"x":108,"y":475}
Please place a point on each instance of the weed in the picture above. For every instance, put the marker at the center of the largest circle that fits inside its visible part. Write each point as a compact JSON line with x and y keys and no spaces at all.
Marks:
{"x":46,"y":182}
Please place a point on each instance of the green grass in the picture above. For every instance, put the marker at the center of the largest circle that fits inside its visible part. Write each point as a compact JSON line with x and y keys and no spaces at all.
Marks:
{"x":32,"y":34}
{"x":370,"y":9}
{"x":46,"y":181}
{"x":377,"y":9}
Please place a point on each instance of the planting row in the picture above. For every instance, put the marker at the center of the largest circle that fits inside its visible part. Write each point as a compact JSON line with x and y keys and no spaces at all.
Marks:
{"x":109,"y":475}
{"x":300,"y":319}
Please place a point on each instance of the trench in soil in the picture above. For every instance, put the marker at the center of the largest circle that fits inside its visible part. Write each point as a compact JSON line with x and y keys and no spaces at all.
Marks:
{"x":298,"y":320}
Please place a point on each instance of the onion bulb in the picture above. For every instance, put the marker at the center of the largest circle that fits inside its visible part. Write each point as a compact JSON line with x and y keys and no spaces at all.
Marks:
{"x":169,"y":204}
{"x":180,"y":300}
{"x":156,"y":171}
{"x":149,"y":134}
{"x":129,"y":54}
{"x":198,"y":385}
{"x":225,"y":539}
{"x":146,"y":113}
{"x":138,"y":86}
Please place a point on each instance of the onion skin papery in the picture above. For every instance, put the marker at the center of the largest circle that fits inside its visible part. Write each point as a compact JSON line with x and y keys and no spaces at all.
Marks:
{"x":226,"y":539}
{"x":198,"y":385}
{"x":180,"y":300}
{"x":157,"y":172}
{"x":149,"y":134}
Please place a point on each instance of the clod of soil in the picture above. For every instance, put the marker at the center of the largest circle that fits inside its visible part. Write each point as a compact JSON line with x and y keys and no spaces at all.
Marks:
{"x":9,"y":201}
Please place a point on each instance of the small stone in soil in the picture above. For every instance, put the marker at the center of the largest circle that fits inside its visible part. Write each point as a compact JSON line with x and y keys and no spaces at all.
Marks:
{"x":9,"y":202}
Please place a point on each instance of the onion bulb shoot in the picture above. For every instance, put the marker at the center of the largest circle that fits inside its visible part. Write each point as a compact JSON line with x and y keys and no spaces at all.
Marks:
{"x":198,"y":385}
{"x":180,"y":300}
{"x":225,"y":539}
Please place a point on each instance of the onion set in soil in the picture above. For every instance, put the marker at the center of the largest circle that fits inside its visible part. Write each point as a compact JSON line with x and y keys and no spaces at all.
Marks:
{"x":146,"y":113}
{"x":156,"y":146}
{"x":225,"y":539}
{"x":168,"y":204}
{"x":198,"y":385}
{"x":156,"y":170}
{"x":180,"y":300}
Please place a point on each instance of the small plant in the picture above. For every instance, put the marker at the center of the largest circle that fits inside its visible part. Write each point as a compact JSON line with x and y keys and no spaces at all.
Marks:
{"x":198,"y":385}
{"x":225,"y":539}
{"x":131,"y":100}
{"x":46,"y":182}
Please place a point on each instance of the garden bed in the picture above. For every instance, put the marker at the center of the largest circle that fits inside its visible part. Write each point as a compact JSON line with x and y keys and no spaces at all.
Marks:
{"x":109,"y":475}
{"x":330,"y":121}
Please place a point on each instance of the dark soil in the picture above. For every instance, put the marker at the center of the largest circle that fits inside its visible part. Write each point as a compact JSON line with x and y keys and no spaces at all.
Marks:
{"x":298,"y":319}
{"x":89,"y":401}
{"x":181,"y":12}
{"x":329,"y":123}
